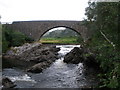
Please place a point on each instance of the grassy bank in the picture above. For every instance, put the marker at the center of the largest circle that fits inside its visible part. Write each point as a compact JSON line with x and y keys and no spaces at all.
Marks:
{"x":63,"y":40}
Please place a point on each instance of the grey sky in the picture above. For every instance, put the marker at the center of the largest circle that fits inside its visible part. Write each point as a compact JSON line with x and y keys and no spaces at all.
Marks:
{"x":22,"y":10}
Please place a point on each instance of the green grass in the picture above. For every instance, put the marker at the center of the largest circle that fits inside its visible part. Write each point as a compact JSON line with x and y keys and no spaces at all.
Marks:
{"x":65,"y":40}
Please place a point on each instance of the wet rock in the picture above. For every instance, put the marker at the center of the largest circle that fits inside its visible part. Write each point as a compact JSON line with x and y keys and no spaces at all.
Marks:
{"x":44,"y":55}
{"x":91,"y":65}
{"x":37,"y":68}
{"x":22,"y":51}
{"x":83,"y":55}
{"x":33,"y":53}
{"x":7,"y":83}
{"x":54,"y":49}
{"x":74,"y":56}
{"x":90,"y":62}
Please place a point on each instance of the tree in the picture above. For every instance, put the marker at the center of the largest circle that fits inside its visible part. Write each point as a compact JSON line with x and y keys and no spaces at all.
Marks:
{"x":12,"y":38}
{"x":102,"y":19}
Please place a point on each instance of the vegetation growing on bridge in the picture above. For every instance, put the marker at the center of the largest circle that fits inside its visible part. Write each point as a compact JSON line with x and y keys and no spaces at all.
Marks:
{"x":12,"y":38}
{"x":102,"y":19}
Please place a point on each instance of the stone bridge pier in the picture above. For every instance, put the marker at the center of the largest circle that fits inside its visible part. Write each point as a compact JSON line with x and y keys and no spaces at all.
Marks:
{"x":36,"y":29}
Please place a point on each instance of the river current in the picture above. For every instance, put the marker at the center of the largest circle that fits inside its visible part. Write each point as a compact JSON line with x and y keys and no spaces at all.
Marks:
{"x":58,"y":75}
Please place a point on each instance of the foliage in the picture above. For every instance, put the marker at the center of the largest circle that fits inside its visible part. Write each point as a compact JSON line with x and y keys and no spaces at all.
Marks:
{"x":12,"y":38}
{"x":62,"y":33}
{"x":102,"y":19}
{"x":0,"y":38}
{"x":67,"y":36}
{"x":5,"y":43}
{"x":63,"y":40}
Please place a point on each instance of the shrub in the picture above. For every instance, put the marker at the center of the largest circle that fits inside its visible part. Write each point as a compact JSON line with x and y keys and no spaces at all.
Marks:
{"x":12,"y":38}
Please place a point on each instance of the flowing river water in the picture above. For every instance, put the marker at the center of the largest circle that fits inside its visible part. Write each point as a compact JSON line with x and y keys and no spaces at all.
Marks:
{"x":58,"y":75}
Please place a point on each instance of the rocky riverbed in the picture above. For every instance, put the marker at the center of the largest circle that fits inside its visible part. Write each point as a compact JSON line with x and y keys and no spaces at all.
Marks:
{"x":60,"y":66}
{"x":28,"y":55}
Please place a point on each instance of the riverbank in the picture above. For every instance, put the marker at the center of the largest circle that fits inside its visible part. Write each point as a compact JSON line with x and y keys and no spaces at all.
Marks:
{"x":62,"y":41}
{"x":54,"y":44}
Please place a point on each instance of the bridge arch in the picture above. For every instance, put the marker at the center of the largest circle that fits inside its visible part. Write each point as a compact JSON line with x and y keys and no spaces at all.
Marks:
{"x":35,"y":29}
{"x":59,"y":27}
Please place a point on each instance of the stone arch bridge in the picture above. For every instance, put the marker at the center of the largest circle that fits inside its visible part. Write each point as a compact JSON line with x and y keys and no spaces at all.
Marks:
{"x":35,"y":29}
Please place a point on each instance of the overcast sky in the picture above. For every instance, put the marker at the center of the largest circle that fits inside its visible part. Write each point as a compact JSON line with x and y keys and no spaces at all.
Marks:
{"x":22,"y":10}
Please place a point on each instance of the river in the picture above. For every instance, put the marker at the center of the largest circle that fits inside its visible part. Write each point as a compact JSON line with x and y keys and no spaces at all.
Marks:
{"x":58,"y":75}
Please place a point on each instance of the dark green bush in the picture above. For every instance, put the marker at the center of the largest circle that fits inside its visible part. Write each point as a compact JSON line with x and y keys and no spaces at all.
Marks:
{"x":102,"y":19}
{"x":12,"y":38}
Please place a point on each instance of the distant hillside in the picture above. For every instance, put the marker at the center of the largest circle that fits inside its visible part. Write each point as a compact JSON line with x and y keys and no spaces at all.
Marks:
{"x":61,"y":33}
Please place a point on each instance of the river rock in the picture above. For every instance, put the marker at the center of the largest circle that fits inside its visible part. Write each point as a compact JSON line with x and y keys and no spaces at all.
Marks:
{"x":54,"y":49}
{"x":37,"y":68}
{"x":7,"y":83}
{"x":90,"y":61}
{"x":31,"y":53}
{"x":74,"y":56}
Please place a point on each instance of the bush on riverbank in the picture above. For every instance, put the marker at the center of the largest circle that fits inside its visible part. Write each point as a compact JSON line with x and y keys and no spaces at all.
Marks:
{"x":103,"y":21}
{"x":109,"y":60}
{"x":12,"y":38}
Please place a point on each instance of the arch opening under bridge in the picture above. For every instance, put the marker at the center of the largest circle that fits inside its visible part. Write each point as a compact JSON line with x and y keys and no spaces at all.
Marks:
{"x":61,"y":35}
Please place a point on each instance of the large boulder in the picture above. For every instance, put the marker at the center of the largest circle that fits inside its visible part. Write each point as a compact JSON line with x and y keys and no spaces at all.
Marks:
{"x":91,"y":66}
{"x":90,"y":62}
{"x":81,"y":55}
{"x":85,"y":56}
{"x":7,"y":83}
{"x":37,"y":68}
{"x":54,"y":49}
{"x":30,"y":54}
{"x":44,"y":55}
{"x":74,"y":56}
